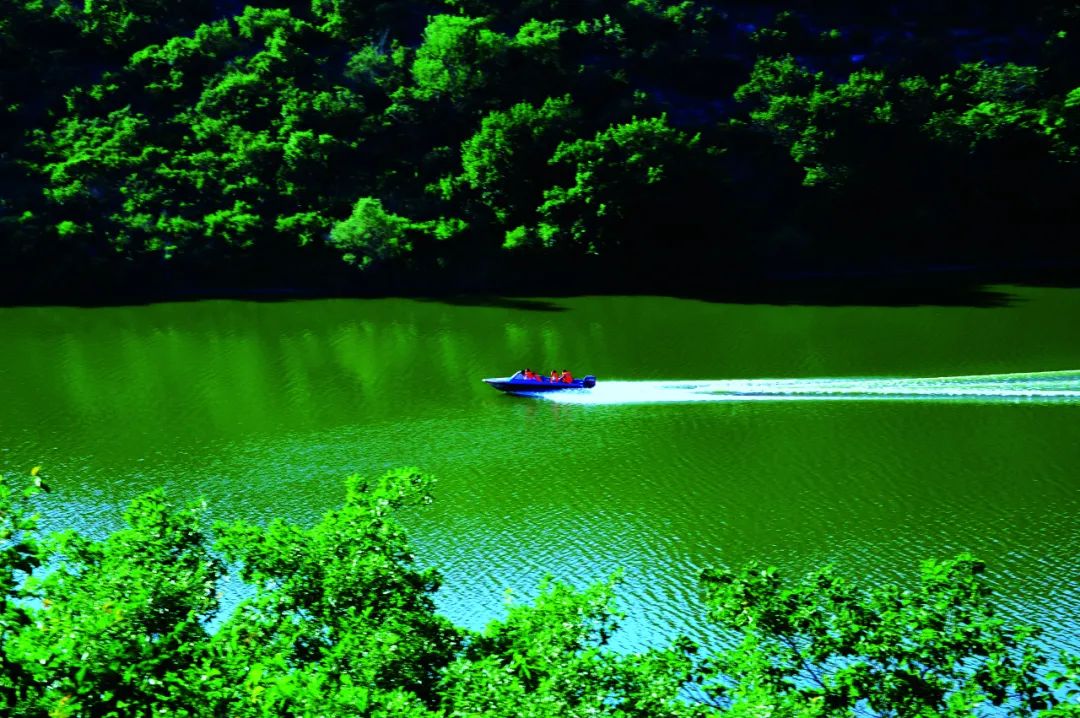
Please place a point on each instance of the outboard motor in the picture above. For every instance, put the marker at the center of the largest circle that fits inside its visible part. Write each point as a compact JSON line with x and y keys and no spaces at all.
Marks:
{"x":589,"y":382}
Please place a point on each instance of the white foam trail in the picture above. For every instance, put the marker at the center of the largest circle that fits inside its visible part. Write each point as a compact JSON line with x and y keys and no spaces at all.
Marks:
{"x":1043,"y":387}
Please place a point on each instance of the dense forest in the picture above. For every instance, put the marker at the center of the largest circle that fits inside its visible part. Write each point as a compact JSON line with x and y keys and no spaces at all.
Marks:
{"x":341,"y":621}
{"x":155,"y":147}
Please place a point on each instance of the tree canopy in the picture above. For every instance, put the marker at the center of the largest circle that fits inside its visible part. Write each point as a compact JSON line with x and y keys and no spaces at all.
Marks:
{"x":340,"y":619}
{"x":252,"y":144}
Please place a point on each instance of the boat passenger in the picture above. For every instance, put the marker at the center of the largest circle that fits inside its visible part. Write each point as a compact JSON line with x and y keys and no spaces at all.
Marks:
{"x":566,"y":378}
{"x":554,"y":376}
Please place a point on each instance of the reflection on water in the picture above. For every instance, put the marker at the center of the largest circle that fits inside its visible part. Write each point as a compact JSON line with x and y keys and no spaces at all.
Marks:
{"x":262,"y":408}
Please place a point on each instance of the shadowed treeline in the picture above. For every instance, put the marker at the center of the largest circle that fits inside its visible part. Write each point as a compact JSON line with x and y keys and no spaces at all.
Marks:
{"x":709,"y":149}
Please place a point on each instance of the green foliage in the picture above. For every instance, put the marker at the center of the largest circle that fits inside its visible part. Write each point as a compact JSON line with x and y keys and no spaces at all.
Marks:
{"x":982,"y":103}
{"x":617,"y":176}
{"x":144,"y":139}
{"x":129,"y":23}
{"x":678,"y":12}
{"x":343,"y":19}
{"x":455,"y":58}
{"x":541,"y":39}
{"x":505,"y":162}
{"x":245,"y":157}
{"x":118,"y":624}
{"x":1066,"y":684}
{"x":179,"y":63}
{"x":828,"y":126}
{"x":21,"y":553}
{"x":937,"y":649}
{"x":802,"y":112}
{"x":548,"y":659}
{"x":340,"y":620}
{"x":378,"y":67}
{"x":371,"y":233}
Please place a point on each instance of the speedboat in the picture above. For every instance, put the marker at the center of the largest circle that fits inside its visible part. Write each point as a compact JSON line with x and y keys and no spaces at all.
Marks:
{"x":518,"y":384}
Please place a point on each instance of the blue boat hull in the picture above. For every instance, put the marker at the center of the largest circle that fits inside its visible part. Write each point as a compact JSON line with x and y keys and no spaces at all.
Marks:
{"x":515,"y":385}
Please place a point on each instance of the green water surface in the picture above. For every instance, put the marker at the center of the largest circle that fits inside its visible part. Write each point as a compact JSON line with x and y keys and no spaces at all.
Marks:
{"x":262,"y":407}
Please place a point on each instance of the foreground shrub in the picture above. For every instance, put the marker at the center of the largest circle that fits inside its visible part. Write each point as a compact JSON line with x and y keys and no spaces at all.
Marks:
{"x":341,"y":621}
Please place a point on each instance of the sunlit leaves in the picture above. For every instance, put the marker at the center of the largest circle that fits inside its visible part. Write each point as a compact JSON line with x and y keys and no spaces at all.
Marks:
{"x":121,"y":623}
{"x":803,"y":112}
{"x":936,"y":649}
{"x":371,"y":233}
{"x":613,"y":174}
{"x":507,"y":156}
{"x":374,"y":235}
{"x":340,"y":619}
{"x":981,"y":103}
{"x":181,"y":62}
{"x":549,"y":659}
{"x":455,"y":56}
{"x":94,"y":151}
{"x":341,"y":614}
{"x":245,"y":139}
{"x":217,"y":136}
{"x":821,"y":121}
{"x":540,"y":38}
{"x":128,"y":23}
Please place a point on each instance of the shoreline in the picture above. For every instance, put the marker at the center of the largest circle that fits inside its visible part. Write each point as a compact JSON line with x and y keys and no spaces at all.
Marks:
{"x":929,"y":284}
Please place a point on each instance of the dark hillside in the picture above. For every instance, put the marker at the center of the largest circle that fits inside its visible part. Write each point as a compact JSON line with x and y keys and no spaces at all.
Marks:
{"x":473,"y":145}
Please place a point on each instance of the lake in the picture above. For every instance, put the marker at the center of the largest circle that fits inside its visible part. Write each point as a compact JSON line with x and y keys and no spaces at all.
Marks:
{"x":719,"y":433}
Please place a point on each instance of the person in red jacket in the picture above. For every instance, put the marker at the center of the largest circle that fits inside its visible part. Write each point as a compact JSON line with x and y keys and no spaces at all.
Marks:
{"x":566,"y":378}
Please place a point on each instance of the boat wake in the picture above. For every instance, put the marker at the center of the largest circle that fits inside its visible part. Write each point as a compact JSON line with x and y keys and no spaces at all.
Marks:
{"x":1034,"y":387}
